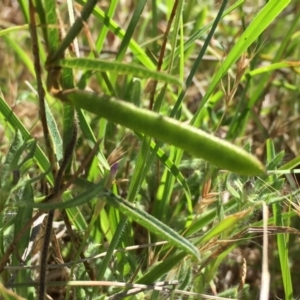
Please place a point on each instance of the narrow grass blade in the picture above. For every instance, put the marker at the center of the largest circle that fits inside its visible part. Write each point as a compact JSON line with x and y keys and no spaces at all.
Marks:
{"x":118,"y":31}
{"x":273,"y":67}
{"x":159,"y":270}
{"x":73,"y":32}
{"x":226,"y":225}
{"x":14,"y":152}
{"x":264,"y":18}
{"x":130,"y":29}
{"x":21,"y":53}
{"x":282,"y":239}
{"x":197,"y":35}
{"x":197,"y":63}
{"x":291,"y":164}
{"x":91,"y":139}
{"x":16,"y":124}
{"x":100,"y":42}
{"x":170,"y":165}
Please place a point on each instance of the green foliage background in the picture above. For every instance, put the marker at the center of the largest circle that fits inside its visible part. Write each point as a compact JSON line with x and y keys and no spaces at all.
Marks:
{"x":154,"y":133}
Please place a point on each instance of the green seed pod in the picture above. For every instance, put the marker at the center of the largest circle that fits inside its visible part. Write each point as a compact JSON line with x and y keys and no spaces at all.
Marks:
{"x":195,"y":141}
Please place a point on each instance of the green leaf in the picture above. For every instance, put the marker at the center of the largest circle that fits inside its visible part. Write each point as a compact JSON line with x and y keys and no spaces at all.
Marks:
{"x":152,"y":224}
{"x":120,"y":68}
{"x":55,"y":135}
{"x":226,"y":224}
{"x":162,"y":268}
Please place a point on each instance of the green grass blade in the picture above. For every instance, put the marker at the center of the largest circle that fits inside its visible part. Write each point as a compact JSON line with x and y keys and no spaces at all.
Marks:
{"x":39,"y":7}
{"x":24,"y":7}
{"x":282,"y":239}
{"x":197,"y":35}
{"x":291,"y":164}
{"x":165,"y":159}
{"x":159,"y":270}
{"x":18,"y":28}
{"x":278,"y":56}
{"x":197,"y":63}
{"x":224,"y":226}
{"x":113,"y":26}
{"x":164,"y":191}
{"x":21,"y":53}
{"x":91,"y":139}
{"x":13,"y":156}
{"x":264,"y":18}
{"x":130,"y":29}
{"x":73,"y":32}
{"x":100,"y":42}
{"x":273,"y":67}
{"x":113,"y":245}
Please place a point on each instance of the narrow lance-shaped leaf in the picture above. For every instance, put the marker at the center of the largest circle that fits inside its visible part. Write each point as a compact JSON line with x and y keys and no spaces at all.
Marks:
{"x":151,"y":223}
{"x":195,"y":141}
{"x":120,"y":68}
